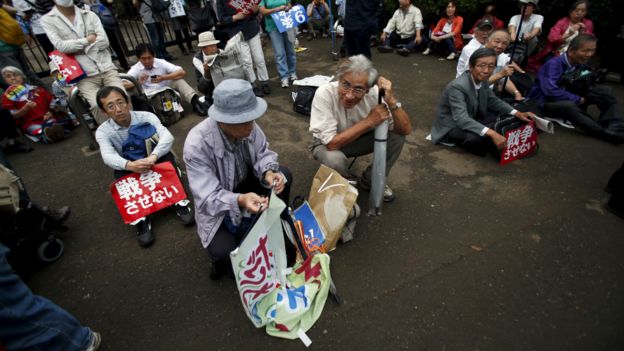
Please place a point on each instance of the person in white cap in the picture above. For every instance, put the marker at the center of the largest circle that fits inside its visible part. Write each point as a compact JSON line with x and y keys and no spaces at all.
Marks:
{"x":231,"y":170}
{"x":207,"y":44}
{"x":531,"y":26}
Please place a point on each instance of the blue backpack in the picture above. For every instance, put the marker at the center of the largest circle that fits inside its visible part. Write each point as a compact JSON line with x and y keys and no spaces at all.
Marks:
{"x":105,"y":14}
{"x":140,"y":137}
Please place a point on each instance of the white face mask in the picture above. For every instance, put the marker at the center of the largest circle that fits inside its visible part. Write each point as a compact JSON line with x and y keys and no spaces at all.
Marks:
{"x":64,"y":3}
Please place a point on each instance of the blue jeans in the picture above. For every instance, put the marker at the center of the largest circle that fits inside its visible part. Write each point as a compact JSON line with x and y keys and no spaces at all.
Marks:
{"x":448,"y":44}
{"x":285,"y":57}
{"x":31,"y":322}
{"x":156,"y":34}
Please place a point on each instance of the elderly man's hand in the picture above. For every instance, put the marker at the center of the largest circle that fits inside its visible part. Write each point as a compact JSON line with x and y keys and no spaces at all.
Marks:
{"x":386,"y":85}
{"x":276,"y":178}
{"x":253,"y":202}
{"x":377,"y":115}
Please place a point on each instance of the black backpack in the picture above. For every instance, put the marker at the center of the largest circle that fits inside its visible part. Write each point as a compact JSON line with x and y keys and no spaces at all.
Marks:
{"x":303,"y":99}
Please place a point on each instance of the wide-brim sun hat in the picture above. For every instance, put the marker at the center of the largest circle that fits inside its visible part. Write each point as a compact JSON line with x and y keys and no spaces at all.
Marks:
{"x":234,"y":102}
{"x":206,"y":39}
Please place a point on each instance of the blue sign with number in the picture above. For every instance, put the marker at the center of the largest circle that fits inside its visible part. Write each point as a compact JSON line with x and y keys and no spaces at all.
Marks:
{"x":314,"y":236}
{"x":291,"y":19}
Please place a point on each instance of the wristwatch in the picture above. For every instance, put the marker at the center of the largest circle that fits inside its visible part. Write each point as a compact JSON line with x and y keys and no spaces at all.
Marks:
{"x":397,"y":105}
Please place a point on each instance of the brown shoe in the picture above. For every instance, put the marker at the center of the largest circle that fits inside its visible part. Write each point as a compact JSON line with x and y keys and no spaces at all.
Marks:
{"x":54,"y":133}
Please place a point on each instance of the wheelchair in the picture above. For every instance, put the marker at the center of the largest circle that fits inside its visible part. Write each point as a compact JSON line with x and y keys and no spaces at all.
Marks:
{"x":81,"y":108}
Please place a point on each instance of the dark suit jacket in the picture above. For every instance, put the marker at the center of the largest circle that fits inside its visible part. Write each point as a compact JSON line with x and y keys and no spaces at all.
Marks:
{"x":458,"y":107}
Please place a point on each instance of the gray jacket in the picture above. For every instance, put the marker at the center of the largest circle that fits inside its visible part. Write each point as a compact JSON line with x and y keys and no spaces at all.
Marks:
{"x":211,"y":174}
{"x":93,"y":58}
{"x":458,"y":107}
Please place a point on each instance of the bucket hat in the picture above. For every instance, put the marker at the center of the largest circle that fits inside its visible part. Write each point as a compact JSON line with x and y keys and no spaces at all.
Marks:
{"x":206,"y":39}
{"x":532,"y":2}
{"x":234,"y":102}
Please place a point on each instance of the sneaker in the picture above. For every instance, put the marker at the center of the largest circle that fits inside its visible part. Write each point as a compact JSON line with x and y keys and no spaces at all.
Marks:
{"x":388,"y":194}
{"x":451,"y":56}
{"x":284,"y":82}
{"x":145,"y":237}
{"x":96,"y":339}
{"x":265,"y":88}
{"x":54,"y":133}
{"x":427,"y":51}
{"x":293,"y":77}
{"x":403,"y":52}
{"x":384,"y":49}
{"x":185,"y":213}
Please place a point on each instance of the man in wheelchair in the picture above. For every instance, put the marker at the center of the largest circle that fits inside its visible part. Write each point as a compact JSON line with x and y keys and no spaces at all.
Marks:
{"x":154,"y":74}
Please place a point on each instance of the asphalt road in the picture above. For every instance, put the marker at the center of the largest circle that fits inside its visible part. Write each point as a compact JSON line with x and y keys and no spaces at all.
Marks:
{"x":470,"y":256}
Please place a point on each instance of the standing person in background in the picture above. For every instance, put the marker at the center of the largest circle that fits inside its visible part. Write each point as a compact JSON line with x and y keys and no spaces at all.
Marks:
{"x":235,"y":17}
{"x":178,"y":13}
{"x":155,"y":28}
{"x":13,"y":55}
{"x":283,"y":43}
{"x":28,"y":12}
{"x":360,"y":22}
{"x":448,"y":32}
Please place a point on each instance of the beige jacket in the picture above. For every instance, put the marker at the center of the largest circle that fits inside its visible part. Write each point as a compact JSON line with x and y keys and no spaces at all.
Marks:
{"x":71,"y":38}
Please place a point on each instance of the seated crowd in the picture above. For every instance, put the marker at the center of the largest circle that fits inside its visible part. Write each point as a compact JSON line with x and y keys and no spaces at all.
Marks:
{"x":230,"y":167}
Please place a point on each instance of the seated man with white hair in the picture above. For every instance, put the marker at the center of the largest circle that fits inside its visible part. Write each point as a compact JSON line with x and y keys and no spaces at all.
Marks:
{"x":345,"y":113}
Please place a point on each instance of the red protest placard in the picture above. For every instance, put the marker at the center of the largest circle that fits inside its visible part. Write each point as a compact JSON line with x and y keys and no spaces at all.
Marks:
{"x":68,"y":66}
{"x":521,"y":142}
{"x":140,"y":194}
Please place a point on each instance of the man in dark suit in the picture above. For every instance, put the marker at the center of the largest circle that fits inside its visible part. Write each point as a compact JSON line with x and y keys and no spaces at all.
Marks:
{"x":468,"y":108}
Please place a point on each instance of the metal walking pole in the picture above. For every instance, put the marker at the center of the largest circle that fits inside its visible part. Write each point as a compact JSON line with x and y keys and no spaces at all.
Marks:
{"x":515,"y":43}
{"x":378,"y":174}
{"x":332,"y":30}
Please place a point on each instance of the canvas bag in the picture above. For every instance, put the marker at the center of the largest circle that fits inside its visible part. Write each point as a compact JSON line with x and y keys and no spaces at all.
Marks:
{"x":332,"y":199}
{"x":167,"y":105}
{"x":285,"y":301}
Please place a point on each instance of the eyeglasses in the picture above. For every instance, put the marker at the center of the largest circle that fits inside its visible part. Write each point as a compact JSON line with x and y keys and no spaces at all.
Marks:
{"x":357,"y":91}
{"x":113,"y":105}
{"x":484,"y":65}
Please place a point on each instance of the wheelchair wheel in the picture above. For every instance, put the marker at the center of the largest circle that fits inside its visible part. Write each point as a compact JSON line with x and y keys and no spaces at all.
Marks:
{"x":50,"y":250}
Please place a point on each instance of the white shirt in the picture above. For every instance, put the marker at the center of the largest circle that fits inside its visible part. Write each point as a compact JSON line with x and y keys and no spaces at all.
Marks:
{"x":535,"y":21}
{"x":160,"y":68}
{"x":405,"y":23}
{"x":329,"y":117}
{"x":464,"y":58}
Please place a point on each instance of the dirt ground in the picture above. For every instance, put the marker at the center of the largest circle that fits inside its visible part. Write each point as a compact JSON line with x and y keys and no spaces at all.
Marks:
{"x":470,"y":256}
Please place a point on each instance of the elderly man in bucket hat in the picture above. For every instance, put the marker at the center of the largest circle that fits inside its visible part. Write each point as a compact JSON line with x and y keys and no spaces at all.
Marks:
{"x":231,"y":170}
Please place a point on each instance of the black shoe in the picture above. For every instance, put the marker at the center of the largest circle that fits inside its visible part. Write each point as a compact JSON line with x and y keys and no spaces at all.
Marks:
{"x":403,"y":52}
{"x":199,"y":107}
{"x":185,"y":52}
{"x":258,"y":92}
{"x":265,"y":88}
{"x":59,"y":215}
{"x":220,"y":269}
{"x":169,"y":57}
{"x":385,"y":49}
{"x":144,"y":233}
{"x":612,"y":137}
{"x":185,"y":213}
{"x":18,"y":147}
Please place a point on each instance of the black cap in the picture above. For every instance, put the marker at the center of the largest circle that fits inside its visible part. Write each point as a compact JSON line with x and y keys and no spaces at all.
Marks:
{"x":484,"y":23}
